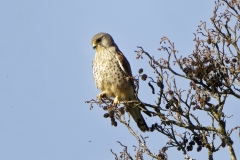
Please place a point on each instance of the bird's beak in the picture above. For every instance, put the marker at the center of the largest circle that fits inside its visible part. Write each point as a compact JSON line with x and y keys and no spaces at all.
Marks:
{"x":94,"y":46}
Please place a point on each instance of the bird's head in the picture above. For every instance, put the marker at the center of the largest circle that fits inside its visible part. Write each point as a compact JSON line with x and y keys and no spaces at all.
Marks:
{"x":102,"y":40}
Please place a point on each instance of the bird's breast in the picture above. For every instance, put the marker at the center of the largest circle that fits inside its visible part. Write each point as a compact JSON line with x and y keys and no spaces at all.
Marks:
{"x":108,"y":75}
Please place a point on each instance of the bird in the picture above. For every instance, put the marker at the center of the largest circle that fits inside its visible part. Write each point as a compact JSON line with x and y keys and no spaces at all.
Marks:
{"x":113,"y":76}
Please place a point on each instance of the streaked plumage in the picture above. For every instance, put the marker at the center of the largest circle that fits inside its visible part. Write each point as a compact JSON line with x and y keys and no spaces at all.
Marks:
{"x":112,"y":72}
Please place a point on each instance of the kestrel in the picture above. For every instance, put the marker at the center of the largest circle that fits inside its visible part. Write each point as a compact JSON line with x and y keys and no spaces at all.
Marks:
{"x":113,"y":76}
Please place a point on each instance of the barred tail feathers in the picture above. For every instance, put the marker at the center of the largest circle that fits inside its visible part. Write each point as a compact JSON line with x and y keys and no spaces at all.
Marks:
{"x":135,"y":112}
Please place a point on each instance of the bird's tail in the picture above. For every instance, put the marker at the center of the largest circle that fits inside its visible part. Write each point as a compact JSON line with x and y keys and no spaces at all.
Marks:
{"x":135,"y":112}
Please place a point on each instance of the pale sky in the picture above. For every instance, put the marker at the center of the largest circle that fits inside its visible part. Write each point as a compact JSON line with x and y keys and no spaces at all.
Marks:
{"x":46,"y":73}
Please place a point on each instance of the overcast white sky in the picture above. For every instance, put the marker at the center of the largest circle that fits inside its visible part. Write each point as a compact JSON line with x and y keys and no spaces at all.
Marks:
{"x":46,"y":73}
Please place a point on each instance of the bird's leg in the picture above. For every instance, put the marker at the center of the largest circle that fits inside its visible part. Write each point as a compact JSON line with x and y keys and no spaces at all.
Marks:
{"x":101,"y":95}
{"x":116,"y":101}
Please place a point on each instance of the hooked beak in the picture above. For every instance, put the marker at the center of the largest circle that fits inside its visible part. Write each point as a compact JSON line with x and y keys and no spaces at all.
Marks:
{"x":94,"y":46}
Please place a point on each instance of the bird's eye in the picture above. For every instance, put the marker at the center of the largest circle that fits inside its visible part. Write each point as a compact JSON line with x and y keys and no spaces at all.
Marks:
{"x":99,"y":39}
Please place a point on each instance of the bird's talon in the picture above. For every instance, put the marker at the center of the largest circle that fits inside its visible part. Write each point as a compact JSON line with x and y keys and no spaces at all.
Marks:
{"x":101,"y":95}
{"x":116,"y":102}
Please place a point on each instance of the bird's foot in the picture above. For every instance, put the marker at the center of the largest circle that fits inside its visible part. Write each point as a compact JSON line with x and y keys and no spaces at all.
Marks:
{"x":101,"y":95}
{"x":116,"y":101}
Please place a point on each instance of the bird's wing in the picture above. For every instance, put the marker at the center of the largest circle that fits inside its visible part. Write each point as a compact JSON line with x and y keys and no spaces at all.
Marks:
{"x":123,"y":63}
{"x":125,"y":66}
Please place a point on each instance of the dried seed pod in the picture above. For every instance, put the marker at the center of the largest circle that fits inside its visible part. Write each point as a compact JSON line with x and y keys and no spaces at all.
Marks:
{"x":227,"y":60}
{"x":151,"y":129}
{"x":209,"y":41}
{"x":106,"y":115}
{"x":144,"y":77}
{"x":167,"y":106}
{"x":105,"y":108}
{"x":140,"y":70}
{"x":185,"y":140}
{"x":199,"y":148}
{"x":111,"y":113}
{"x":192,"y":143}
{"x":234,"y":60}
{"x":195,"y":138}
{"x":114,"y":123}
{"x":189,"y":148}
{"x":199,"y":143}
